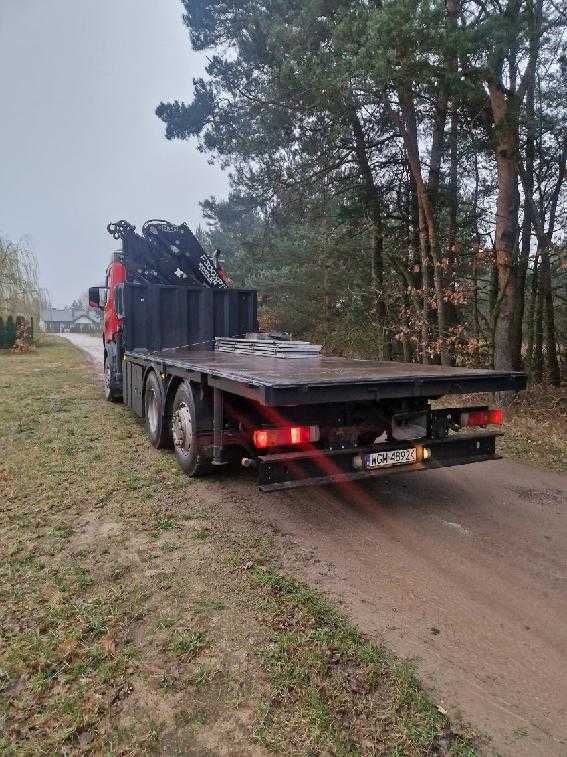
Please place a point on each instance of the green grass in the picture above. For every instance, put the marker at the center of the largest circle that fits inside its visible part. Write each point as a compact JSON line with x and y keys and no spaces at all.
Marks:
{"x":331,"y":681}
{"x":187,"y":644}
{"x":137,"y":618}
{"x":209,"y":604}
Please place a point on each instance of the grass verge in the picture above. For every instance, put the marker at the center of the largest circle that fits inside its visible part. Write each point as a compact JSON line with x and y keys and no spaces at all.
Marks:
{"x":135,"y":619}
{"x":536,"y":428}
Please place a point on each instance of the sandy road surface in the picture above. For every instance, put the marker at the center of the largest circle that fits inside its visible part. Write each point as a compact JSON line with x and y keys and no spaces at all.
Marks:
{"x":92,"y":345}
{"x":464,"y":569}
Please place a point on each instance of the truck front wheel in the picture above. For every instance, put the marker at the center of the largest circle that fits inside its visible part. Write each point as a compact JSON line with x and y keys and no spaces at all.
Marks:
{"x":184,"y":433}
{"x":111,"y":393}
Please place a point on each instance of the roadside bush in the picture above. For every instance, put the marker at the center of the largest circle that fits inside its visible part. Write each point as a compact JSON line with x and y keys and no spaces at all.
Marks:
{"x":9,"y":333}
{"x":23,"y":341}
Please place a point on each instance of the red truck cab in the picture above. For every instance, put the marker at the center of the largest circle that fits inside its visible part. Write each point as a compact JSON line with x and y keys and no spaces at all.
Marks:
{"x":112,"y":318}
{"x":108,"y":299}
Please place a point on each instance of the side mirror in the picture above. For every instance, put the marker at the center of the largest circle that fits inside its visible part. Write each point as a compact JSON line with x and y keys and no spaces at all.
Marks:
{"x":97,"y":297}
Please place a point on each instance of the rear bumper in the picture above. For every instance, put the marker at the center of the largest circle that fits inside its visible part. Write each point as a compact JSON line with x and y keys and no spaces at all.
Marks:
{"x":315,"y":467}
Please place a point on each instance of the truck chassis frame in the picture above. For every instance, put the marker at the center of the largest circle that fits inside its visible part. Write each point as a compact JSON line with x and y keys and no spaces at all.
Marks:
{"x":282,"y":388}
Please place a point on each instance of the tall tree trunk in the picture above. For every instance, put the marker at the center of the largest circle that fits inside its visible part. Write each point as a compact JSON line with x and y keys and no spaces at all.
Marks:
{"x":476,"y":257}
{"x":506,"y":230}
{"x":453,"y":9}
{"x":531,"y":315}
{"x":520,"y":291}
{"x":528,"y":184}
{"x":452,"y":237}
{"x":522,"y":269}
{"x":537,"y":370}
{"x":418,"y":243}
{"x":386,"y":288}
{"x":372,"y":197}
{"x":406,"y":347}
{"x":324,"y":265}
{"x":425,"y":288}
{"x":408,"y":123}
{"x":453,"y":188}
{"x":492,"y":303}
{"x":552,"y":363}
{"x":476,"y":319}
{"x":437,"y":146}
{"x":545,"y":237}
{"x":416,"y":258}
{"x":377,"y":277}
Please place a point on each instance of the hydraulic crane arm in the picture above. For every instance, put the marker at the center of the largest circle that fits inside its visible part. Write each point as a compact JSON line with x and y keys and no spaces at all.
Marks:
{"x":165,"y":253}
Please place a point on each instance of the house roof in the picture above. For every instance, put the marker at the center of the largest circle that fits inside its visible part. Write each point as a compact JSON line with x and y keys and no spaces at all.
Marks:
{"x":66,"y":315}
{"x":57,"y":314}
{"x":82,"y":317}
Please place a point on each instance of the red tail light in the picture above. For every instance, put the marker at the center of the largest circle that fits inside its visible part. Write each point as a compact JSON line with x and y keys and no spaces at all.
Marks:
{"x":493,"y":417}
{"x":285,"y":437}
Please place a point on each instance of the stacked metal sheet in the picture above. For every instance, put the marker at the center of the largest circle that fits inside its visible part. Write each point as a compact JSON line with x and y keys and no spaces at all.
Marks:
{"x":290,"y":350}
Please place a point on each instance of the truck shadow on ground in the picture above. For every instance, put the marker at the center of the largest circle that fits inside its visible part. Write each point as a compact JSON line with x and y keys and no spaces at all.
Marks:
{"x":400,"y":497}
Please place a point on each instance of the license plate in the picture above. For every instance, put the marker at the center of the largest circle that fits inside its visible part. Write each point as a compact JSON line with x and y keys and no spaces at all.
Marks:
{"x":390,"y":457}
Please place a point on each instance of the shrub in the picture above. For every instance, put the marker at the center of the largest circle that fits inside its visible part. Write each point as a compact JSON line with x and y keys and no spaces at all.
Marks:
{"x":9,"y":332}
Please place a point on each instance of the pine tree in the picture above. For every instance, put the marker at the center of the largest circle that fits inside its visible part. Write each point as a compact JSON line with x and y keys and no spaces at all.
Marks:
{"x":386,"y":141}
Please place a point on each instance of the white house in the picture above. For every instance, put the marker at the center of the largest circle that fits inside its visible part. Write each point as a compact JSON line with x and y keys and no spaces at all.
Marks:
{"x":60,"y":320}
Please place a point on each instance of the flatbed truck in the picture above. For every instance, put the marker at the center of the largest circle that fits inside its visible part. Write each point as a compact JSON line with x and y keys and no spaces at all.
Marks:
{"x":296,"y":422}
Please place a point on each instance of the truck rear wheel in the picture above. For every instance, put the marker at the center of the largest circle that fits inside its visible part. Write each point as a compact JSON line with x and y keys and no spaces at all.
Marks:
{"x":157,"y":426}
{"x":184,"y":433}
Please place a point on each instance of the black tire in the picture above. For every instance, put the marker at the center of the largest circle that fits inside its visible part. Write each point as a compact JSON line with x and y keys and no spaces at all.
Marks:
{"x":183,"y":431}
{"x":111,"y":393}
{"x":156,"y":422}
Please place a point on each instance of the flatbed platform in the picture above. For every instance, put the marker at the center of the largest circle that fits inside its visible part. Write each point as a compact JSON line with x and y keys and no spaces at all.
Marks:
{"x":280,"y":382}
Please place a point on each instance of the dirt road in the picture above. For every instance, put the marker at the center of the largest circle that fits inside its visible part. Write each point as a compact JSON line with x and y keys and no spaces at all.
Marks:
{"x":92,"y":345}
{"x":464,"y":570}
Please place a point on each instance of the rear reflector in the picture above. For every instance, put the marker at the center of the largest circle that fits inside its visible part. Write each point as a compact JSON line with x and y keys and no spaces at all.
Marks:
{"x":493,"y":417}
{"x":285,"y":437}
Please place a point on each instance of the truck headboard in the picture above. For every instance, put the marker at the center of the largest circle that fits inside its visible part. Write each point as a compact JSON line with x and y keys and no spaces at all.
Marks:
{"x":159,"y":316}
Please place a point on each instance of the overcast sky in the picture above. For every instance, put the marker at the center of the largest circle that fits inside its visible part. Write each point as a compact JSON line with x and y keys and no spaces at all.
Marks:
{"x":80,"y":144}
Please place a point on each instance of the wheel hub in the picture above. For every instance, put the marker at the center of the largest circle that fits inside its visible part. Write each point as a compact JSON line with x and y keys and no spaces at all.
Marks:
{"x":182,"y":427}
{"x":152,"y":412}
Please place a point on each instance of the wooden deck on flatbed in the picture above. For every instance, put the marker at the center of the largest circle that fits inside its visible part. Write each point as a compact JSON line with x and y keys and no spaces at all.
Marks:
{"x":277,"y":382}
